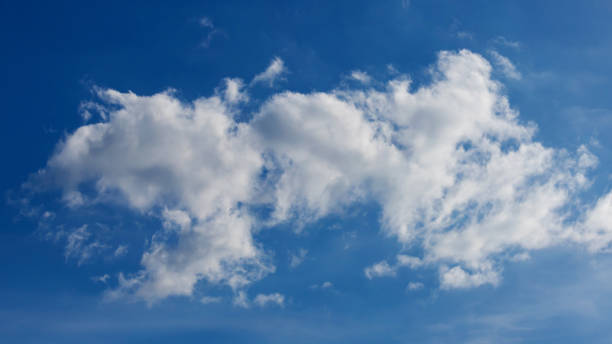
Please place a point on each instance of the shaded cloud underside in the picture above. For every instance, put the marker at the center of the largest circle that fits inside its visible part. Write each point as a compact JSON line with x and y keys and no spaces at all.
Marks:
{"x":454,"y":171}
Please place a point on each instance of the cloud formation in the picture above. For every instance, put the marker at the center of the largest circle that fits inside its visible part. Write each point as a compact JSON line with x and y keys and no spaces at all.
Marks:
{"x":505,"y":65}
{"x":80,"y":245}
{"x":212,"y":31}
{"x":384,"y":269}
{"x":274,"y":72}
{"x":361,"y":77}
{"x":501,"y":40}
{"x":297,"y":258}
{"x":453,"y":169}
{"x":412,"y":286}
{"x":263,"y":300}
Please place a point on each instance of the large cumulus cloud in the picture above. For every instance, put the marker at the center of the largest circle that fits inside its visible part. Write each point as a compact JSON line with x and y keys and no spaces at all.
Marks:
{"x":454,"y":170}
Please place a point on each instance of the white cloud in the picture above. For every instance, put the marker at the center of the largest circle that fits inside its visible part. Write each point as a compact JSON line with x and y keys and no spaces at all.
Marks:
{"x":360,"y":76}
{"x":73,"y":199}
{"x":234,"y":91}
{"x":241,"y":300}
{"x":520,"y":257}
{"x":465,"y":35}
{"x":383,"y":269}
{"x":48,"y":215}
{"x":380,"y":269}
{"x":456,"y":277}
{"x":453,"y":169}
{"x":206,"y":22}
{"x":596,"y":229}
{"x":298,"y":258}
{"x":193,"y":161}
{"x":121,"y":251}
{"x":412,"y":262}
{"x":210,"y":299}
{"x":176,"y":219}
{"x":80,"y":247}
{"x":506,"y":66}
{"x":213,"y":31}
{"x":86,"y":109}
{"x":274,"y":72}
{"x":263,"y":300}
{"x":102,"y":279}
{"x":412,"y":286}
{"x":501,"y":40}
{"x":324,"y":285}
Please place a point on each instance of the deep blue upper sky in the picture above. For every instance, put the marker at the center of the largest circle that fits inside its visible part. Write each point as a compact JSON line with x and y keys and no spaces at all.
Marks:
{"x":53,"y":53}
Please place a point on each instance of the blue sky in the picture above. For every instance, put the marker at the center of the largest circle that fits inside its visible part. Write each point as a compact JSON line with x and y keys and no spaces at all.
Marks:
{"x":272,"y":172}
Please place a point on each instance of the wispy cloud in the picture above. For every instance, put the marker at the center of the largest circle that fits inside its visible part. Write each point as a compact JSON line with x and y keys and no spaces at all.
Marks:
{"x":121,"y":251}
{"x":361,"y":76}
{"x":273,"y":73}
{"x":505,"y":65}
{"x":206,"y":22}
{"x":465,"y":35}
{"x":210,"y":299}
{"x":102,"y":279}
{"x":322,"y":286}
{"x":503,"y":41}
{"x":241,"y":300}
{"x":456,"y":30}
{"x":413,"y":286}
{"x":79,"y":247}
{"x":263,"y":300}
{"x":212,"y":31}
{"x":298,"y":258}
{"x":384,"y":269}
